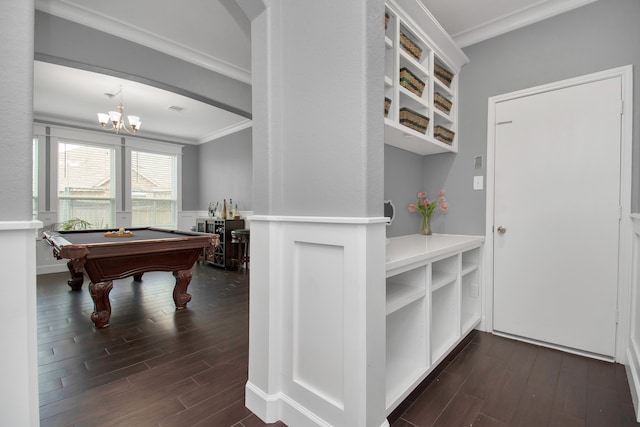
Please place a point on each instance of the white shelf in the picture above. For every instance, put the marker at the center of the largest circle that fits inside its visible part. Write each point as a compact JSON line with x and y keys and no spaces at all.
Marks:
{"x":468,"y":268}
{"x":442,"y":88}
{"x":442,"y":350}
{"x":407,"y":358}
{"x":416,"y":67}
{"x":424,"y":326}
{"x":388,"y":42}
{"x":436,"y":46}
{"x":388,"y":81}
{"x":399,"y":296}
{"x":440,"y":279}
{"x":420,"y":102}
{"x":442,"y":115}
{"x":408,"y":139}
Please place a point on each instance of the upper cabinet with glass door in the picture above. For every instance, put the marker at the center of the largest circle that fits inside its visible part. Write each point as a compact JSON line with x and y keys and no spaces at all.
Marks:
{"x":422,"y":63}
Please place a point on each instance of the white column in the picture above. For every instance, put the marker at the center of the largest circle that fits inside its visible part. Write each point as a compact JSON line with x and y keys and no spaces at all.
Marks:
{"x":19,"y":367}
{"x":633,"y":347}
{"x":317,"y":291}
{"x":317,"y":321}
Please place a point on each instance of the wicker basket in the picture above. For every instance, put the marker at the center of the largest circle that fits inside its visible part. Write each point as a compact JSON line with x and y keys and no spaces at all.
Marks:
{"x":409,"y":81}
{"x":413,"y":120}
{"x":443,"y":134}
{"x":387,"y":106}
{"x":444,"y":75}
{"x":441,"y":103}
{"x":410,"y":47}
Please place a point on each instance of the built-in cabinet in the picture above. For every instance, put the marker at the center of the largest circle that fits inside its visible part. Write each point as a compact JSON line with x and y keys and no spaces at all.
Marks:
{"x":421,"y":84}
{"x":225,"y":254}
{"x":433,"y":302}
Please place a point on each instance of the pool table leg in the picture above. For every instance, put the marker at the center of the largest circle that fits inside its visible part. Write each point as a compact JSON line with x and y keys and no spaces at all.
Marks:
{"x":180,"y":295}
{"x":137,"y":277}
{"x":101,"y":304}
{"x":75,"y":267}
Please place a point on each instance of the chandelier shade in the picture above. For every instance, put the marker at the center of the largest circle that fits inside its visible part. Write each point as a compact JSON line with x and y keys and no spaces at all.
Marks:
{"x":115,"y":119}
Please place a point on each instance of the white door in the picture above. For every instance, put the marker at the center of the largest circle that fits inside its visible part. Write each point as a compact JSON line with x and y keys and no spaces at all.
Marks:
{"x":557,"y":199}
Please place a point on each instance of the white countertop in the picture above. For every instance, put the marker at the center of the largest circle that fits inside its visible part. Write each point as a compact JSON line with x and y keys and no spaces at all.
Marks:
{"x":416,"y":249}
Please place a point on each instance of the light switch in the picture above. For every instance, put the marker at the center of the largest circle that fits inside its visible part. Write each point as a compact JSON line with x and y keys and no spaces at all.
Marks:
{"x":478,"y":182}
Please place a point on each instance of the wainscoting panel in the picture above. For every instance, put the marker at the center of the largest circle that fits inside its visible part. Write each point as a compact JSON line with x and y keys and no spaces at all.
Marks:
{"x":633,"y":350}
{"x":317,"y":323}
{"x":318,"y":320}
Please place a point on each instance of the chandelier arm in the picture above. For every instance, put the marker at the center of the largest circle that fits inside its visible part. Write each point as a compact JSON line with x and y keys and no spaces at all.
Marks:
{"x":117,"y":125}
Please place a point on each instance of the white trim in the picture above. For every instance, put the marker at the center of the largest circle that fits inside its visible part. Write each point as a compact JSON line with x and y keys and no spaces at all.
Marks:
{"x":90,"y":18}
{"x":226,"y":131}
{"x":530,"y":15}
{"x":84,"y":136}
{"x":633,"y":350}
{"x":345,"y":256}
{"x":318,"y":219}
{"x":20,"y":225}
{"x":82,"y":126}
{"x":152,"y":146}
{"x":624,"y":267}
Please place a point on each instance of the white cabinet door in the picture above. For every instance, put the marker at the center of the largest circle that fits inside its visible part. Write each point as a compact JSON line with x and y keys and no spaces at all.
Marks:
{"x":557,"y":196}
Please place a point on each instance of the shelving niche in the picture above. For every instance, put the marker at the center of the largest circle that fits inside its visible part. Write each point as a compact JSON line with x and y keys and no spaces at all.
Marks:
{"x":408,"y":18}
{"x":433,"y":302}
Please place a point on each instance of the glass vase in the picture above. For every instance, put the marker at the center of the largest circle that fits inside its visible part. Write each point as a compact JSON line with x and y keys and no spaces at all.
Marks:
{"x":426,"y":226}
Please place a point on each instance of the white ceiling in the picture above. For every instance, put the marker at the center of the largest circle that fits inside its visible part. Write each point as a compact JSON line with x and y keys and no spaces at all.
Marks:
{"x":215,"y":34}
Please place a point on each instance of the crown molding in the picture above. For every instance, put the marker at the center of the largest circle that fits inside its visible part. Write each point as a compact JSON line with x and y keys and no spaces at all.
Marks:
{"x":535,"y":13}
{"x":226,"y":131}
{"x":85,"y":16}
{"x":56,"y":121}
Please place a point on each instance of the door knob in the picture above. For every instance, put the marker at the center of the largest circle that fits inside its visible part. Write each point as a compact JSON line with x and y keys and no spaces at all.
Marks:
{"x":502,"y":230}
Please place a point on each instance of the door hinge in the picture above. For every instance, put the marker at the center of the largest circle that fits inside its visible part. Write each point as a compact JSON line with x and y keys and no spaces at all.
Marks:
{"x":621,"y":107}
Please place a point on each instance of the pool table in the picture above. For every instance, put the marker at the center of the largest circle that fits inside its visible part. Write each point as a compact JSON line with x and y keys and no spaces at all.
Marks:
{"x":107,"y":255}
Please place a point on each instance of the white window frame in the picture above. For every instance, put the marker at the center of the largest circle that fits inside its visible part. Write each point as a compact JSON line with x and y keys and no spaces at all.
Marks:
{"x":134,"y":144}
{"x":64,"y":135}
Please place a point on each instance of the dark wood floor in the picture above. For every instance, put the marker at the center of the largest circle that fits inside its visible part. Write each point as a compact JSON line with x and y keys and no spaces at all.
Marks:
{"x":154,"y":366}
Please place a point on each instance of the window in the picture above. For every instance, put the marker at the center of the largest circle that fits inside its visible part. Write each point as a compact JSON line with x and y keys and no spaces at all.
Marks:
{"x":34,"y":178}
{"x":86,"y":184}
{"x":153,"y":189}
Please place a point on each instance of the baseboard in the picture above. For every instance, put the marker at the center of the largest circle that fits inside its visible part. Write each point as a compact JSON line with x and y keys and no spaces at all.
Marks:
{"x":633,"y":376}
{"x":48,"y":269}
{"x":279,"y":407}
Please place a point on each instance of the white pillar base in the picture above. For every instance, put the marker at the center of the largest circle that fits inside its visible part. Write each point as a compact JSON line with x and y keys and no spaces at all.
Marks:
{"x":317,"y":321}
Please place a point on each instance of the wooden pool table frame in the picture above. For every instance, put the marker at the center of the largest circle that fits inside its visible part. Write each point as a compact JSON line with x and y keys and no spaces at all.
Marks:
{"x":112,"y":258}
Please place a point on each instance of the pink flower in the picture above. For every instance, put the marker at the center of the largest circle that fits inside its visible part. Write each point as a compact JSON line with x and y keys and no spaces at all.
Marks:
{"x":441,"y":199}
{"x":412,"y":207}
{"x":422,"y":195}
{"x":425,"y":203}
{"x":444,"y":207}
{"x":441,"y":193}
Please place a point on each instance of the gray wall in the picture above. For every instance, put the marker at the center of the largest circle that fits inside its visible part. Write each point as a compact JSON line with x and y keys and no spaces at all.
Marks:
{"x":191,"y":178}
{"x":68,"y":43}
{"x":61,"y":41}
{"x":318,"y":135}
{"x":596,"y":37}
{"x":16,"y":110}
{"x":403,"y":179}
{"x":225,"y":171}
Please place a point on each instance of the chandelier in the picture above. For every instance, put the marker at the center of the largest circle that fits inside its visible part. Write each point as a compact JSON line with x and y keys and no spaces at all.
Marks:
{"x":116,"y":118}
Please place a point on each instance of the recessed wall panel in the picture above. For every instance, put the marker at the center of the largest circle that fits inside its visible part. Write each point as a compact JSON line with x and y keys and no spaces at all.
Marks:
{"x":318,"y":320}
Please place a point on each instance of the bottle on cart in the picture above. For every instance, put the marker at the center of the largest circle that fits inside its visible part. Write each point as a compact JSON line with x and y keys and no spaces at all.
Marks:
{"x":224,"y":209}
{"x":230,"y":212}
